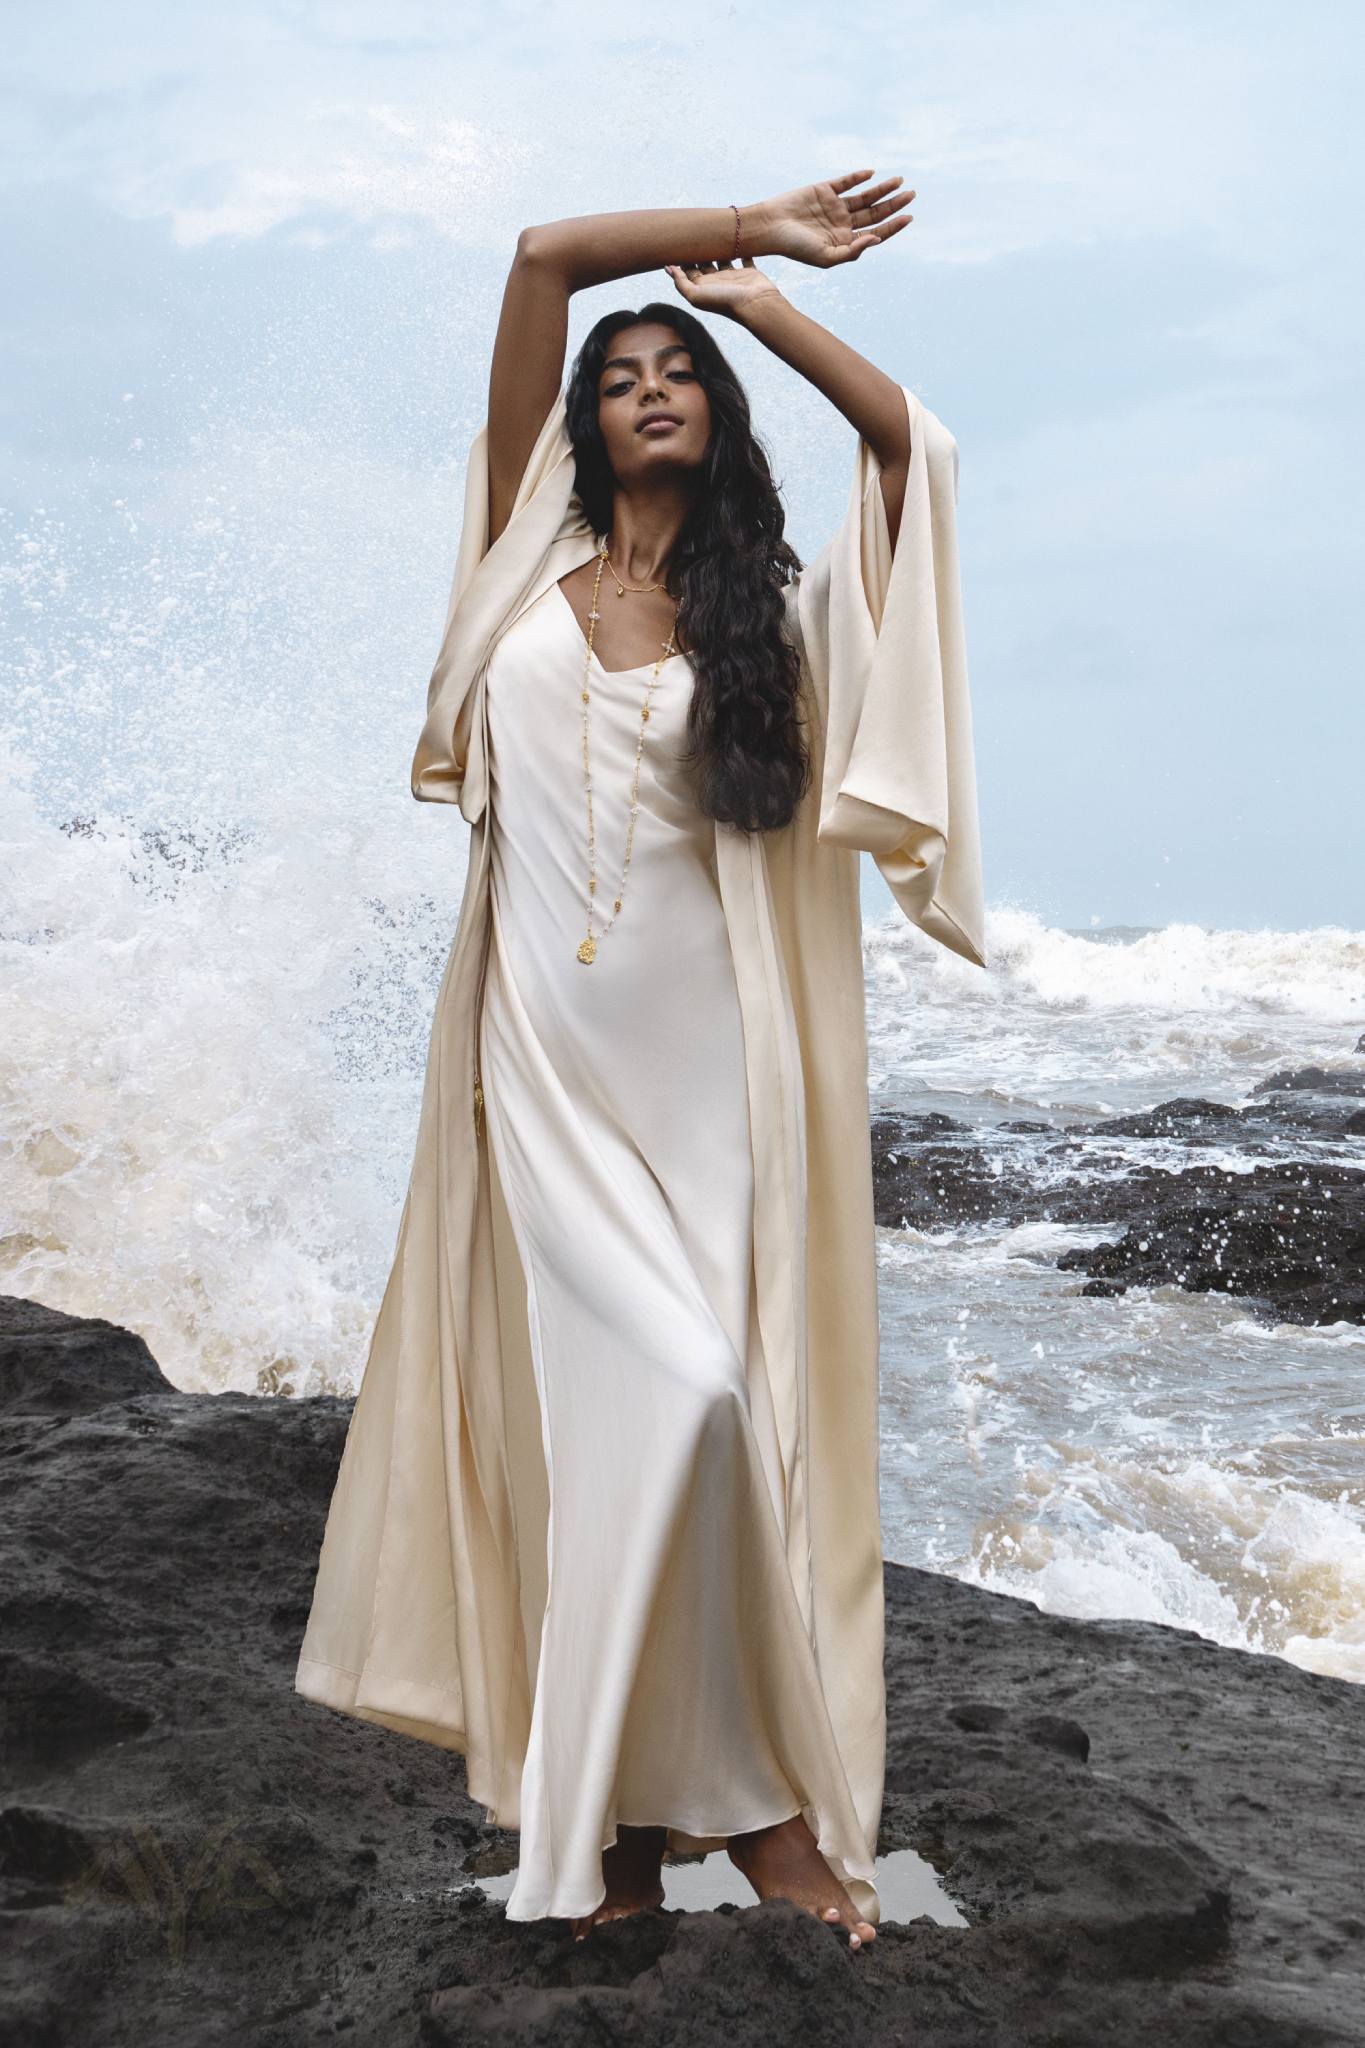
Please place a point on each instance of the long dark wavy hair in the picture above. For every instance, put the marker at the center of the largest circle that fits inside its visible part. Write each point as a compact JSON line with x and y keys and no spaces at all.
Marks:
{"x":745,"y":734}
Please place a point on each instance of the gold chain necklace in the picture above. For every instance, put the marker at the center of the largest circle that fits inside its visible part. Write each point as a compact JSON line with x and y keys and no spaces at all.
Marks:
{"x":587,"y":951}
{"x":639,"y":589}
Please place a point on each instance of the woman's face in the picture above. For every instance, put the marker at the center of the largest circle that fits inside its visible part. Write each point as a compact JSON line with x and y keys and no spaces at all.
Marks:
{"x":648,"y":377}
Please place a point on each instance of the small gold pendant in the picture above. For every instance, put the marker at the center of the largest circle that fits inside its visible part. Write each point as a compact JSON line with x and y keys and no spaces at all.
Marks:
{"x":587,"y":952}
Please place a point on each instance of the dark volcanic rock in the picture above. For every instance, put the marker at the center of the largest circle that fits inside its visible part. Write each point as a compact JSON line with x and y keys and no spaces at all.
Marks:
{"x":1318,"y":1080}
{"x":1312,"y":1098}
{"x":1187,"y":1117}
{"x":54,"y":1364}
{"x":1295,"y":1240}
{"x":927,"y":1170}
{"x":1150,"y":1836}
{"x":1287,"y":1233}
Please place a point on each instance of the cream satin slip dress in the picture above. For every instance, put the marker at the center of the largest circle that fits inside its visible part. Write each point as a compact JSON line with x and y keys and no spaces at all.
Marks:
{"x":675,"y":1684}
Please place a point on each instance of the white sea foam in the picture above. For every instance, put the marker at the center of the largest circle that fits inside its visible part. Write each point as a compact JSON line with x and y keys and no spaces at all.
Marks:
{"x":1159,"y":1455}
{"x":209,"y":1068}
{"x":1245,"y":1561}
{"x":1185,"y":970}
{"x":1070,"y":1025}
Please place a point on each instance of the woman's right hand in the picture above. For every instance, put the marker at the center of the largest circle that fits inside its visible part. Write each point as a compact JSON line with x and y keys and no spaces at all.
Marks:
{"x":828,"y":223}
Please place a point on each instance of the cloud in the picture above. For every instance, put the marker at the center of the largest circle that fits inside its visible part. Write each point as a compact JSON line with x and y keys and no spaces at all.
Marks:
{"x":1022,"y":127}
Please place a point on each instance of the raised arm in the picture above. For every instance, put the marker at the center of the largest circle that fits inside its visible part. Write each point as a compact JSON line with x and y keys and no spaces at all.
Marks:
{"x":551,"y":262}
{"x":821,"y":224}
{"x":870,"y":400}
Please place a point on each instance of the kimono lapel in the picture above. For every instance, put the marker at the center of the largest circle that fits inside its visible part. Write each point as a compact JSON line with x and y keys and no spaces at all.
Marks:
{"x":492,"y":586}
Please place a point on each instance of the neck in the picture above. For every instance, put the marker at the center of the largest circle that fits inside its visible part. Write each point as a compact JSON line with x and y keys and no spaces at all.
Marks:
{"x":645,"y":528}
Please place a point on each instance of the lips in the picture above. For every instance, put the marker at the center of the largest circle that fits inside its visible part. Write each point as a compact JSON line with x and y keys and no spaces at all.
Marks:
{"x":658,"y":419}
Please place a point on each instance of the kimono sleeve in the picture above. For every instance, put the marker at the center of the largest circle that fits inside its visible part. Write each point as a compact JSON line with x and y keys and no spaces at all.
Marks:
{"x":485,"y":586}
{"x":882,"y":636}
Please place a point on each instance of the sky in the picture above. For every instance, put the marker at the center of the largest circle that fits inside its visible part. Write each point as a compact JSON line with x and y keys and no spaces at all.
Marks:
{"x":255,"y":257}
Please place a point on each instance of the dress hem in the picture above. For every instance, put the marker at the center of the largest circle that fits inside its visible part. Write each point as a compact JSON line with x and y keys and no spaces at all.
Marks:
{"x":861,"y":1888}
{"x":420,"y":1711}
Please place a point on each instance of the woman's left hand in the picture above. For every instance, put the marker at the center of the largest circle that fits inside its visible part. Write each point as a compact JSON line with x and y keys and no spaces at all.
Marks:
{"x":729,"y":288}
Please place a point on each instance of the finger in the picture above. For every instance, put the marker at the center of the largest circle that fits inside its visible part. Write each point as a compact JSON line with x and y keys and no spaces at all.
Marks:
{"x":878,"y":191}
{"x":868,"y":216}
{"x":874,"y":237}
{"x":843,"y":183}
{"x":884,"y":209}
{"x":746,"y":262}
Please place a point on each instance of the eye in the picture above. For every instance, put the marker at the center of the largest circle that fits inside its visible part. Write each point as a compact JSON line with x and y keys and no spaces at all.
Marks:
{"x":680,"y":373}
{"x":615,"y":390}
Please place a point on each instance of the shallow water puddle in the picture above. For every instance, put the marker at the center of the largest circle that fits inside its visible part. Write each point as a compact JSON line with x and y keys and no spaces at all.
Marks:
{"x":908,"y":1887}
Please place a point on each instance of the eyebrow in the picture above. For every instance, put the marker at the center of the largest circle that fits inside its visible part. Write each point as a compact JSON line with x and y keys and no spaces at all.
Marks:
{"x":632,"y":362}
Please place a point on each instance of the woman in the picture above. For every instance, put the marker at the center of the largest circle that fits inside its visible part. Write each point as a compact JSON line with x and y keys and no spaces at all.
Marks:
{"x":607,"y":1516}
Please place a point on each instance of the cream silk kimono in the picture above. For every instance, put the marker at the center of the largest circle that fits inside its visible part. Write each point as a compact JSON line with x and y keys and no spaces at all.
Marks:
{"x":432,"y":1578}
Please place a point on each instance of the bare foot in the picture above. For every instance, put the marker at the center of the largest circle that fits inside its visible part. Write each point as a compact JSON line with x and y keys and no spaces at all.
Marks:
{"x":630,"y":1868}
{"x":784,"y":1862}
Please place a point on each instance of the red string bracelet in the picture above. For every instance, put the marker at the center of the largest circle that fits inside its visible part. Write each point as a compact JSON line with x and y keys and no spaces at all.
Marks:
{"x":735,"y":210}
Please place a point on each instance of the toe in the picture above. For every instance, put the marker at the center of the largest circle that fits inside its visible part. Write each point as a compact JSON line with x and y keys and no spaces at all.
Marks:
{"x":858,"y":1928}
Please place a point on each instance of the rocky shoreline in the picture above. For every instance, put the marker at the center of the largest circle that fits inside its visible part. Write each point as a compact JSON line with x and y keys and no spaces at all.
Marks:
{"x":1144,"y":1831}
{"x":1287,"y":1232}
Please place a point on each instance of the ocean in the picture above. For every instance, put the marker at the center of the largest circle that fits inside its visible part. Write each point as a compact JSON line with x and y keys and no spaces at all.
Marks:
{"x":1161,"y":1454}
{"x":211,"y":1056}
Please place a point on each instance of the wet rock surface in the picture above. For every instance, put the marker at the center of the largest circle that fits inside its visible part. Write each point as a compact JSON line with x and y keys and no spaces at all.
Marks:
{"x":1145,"y":1832}
{"x":1278,"y":1217}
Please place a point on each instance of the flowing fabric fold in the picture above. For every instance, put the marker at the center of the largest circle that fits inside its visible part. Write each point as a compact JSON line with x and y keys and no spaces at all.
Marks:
{"x":882,"y":633}
{"x":490,"y":586}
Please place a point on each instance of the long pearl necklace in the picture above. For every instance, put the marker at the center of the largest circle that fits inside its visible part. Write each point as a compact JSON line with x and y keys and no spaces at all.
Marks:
{"x":587,"y":951}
